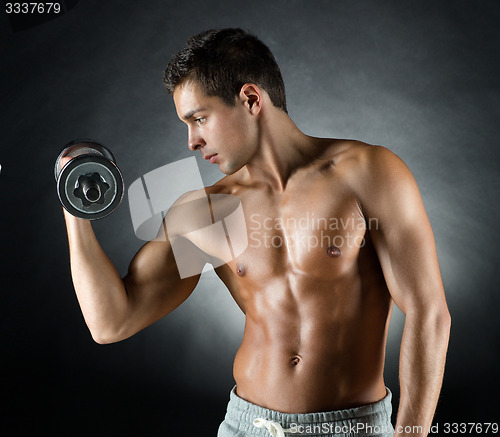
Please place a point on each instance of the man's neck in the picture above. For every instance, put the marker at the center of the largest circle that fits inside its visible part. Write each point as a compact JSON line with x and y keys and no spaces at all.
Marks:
{"x":283,"y":148}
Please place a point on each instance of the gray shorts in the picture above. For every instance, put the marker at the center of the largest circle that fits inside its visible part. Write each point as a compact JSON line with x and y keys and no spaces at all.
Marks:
{"x":246,"y":419}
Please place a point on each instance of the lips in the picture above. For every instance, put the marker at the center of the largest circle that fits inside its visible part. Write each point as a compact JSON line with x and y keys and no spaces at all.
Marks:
{"x":212,"y":157}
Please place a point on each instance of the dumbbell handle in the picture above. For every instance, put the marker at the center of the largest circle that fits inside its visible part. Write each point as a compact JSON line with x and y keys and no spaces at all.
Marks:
{"x":91,"y":189}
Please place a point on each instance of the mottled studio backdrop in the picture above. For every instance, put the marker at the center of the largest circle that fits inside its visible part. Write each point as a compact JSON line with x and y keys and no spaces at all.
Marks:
{"x":420,"y":77}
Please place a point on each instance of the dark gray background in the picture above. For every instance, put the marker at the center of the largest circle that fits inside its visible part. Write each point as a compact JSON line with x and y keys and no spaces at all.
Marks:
{"x":419,"y":77}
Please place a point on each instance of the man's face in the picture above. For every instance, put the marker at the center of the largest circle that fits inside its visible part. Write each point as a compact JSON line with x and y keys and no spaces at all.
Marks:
{"x":225,"y":135}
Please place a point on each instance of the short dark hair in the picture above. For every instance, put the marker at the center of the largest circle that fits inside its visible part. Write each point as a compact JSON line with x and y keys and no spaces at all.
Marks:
{"x":222,"y":61}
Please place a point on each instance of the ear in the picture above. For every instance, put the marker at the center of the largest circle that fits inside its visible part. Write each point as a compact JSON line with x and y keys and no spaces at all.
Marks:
{"x":251,"y":97}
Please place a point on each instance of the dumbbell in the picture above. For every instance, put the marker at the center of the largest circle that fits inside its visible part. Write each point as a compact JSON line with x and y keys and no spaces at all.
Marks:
{"x":90,"y":185}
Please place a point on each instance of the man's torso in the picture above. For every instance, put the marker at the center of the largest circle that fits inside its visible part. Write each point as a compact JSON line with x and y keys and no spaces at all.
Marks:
{"x":309,"y":282}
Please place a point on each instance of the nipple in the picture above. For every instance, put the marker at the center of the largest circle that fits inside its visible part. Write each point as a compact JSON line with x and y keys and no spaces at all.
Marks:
{"x":333,"y":251}
{"x":240,"y":269}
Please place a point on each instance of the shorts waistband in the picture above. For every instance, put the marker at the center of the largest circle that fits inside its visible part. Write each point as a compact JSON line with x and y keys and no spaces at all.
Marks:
{"x":241,"y":415}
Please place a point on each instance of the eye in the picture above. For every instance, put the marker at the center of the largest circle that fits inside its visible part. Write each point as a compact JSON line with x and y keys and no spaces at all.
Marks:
{"x":200,"y":120}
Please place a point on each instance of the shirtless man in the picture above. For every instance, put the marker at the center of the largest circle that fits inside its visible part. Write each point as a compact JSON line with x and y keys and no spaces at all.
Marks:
{"x":317,"y":314}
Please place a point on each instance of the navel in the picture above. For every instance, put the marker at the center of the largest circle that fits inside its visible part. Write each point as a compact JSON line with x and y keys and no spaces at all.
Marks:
{"x":241,"y":269}
{"x":333,"y":251}
{"x":295,"y":360}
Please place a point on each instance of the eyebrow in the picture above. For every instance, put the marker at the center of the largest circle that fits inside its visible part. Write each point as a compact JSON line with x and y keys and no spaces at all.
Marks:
{"x":194,"y":111}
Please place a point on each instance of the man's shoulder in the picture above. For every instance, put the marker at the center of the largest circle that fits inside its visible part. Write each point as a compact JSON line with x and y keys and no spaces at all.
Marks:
{"x":366,"y":169}
{"x":189,"y":212}
{"x":355,"y":159}
{"x":374,"y":174}
{"x":198,"y":209}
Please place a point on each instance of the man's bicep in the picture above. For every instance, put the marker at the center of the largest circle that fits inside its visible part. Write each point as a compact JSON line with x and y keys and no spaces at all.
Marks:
{"x":402,"y":234}
{"x":153,"y":283}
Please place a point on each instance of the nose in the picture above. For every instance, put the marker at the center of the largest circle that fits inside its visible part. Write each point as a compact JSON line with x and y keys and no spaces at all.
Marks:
{"x":195,"y":141}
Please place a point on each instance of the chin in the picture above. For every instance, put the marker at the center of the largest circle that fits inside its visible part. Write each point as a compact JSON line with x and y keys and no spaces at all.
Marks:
{"x":226,"y":171}
{"x":229,"y":169}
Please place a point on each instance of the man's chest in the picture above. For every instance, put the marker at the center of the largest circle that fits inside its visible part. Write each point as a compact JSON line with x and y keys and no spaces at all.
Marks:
{"x":314,"y":225}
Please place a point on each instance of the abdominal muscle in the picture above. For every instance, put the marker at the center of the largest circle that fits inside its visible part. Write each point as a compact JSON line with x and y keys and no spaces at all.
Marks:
{"x":313,"y":349}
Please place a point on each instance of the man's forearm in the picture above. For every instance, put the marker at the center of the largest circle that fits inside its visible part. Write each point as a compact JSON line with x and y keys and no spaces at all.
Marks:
{"x":421,"y":368}
{"x":98,"y":285}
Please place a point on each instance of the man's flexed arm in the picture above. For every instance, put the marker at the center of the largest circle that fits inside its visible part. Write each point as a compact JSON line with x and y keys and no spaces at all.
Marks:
{"x":116,"y":308}
{"x":406,"y":249}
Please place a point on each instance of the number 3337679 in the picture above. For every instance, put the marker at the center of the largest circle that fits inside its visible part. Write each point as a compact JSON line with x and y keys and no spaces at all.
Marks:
{"x":32,"y":8}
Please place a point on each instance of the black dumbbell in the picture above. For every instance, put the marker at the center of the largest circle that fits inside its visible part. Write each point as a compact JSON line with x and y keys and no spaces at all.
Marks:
{"x":90,"y":186}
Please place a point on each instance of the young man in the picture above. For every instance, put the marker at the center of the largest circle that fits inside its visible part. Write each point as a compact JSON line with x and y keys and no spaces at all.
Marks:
{"x":337,"y":232}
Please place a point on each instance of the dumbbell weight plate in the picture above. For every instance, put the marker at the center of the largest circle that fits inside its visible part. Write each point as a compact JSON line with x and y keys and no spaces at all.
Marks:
{"x":82,"y":147}
{"x":68,"y":187}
